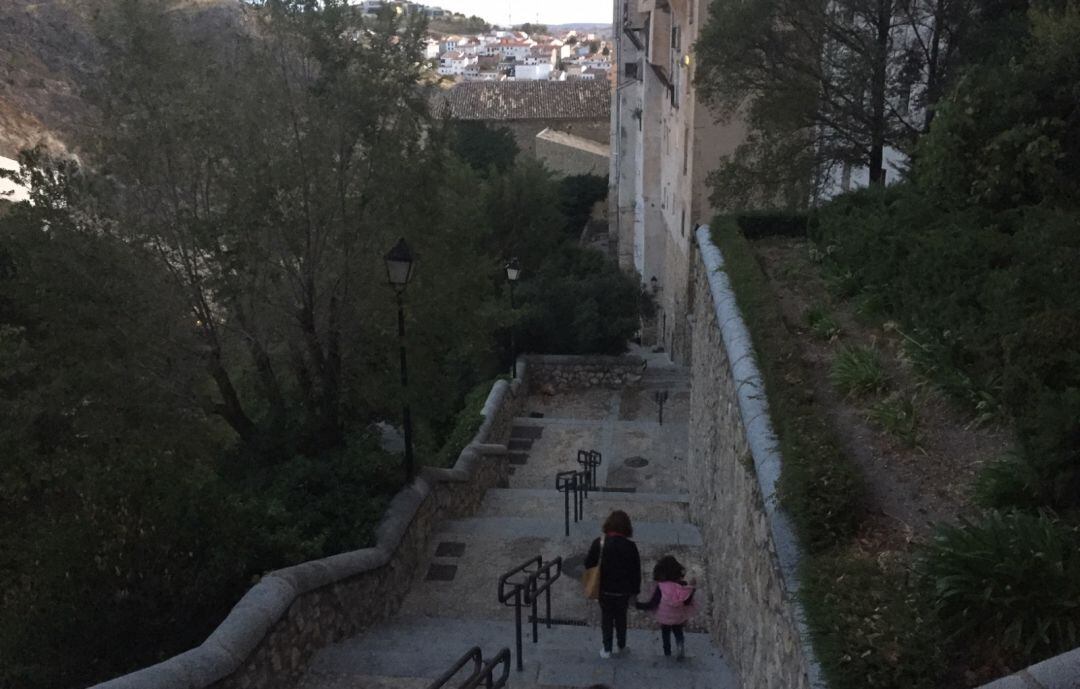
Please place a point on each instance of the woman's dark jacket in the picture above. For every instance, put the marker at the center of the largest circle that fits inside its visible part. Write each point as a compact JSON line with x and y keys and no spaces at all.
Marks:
{"x":620,"y":570}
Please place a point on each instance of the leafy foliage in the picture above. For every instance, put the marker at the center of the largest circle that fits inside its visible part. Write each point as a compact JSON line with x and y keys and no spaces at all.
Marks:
{"x":1015,"y":573}
{"x":871,"y":623}
{"x":821,"y":322}
{"x":580,"y":193}
{"x":579,"y":302}
{"x":483,"y":146}
{"x":196,"y":332}
{"x":857,"y":370}
{"x":821,"y":87}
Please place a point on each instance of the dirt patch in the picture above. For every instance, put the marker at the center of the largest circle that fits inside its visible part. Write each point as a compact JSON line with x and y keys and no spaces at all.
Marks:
{"x":910,"y":484}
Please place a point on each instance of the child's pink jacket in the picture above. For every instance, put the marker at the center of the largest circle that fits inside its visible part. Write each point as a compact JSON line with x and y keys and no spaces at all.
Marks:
{"x":673,"y":609}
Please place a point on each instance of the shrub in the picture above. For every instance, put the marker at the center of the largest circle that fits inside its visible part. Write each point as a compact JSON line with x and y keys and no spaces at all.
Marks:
{"x":897,"y":415}
{"x":1006,"y":482}
{"x":466,"y":424}
{"x":822,"y":324}
{"x":1011,"y":579}
{"x":579,"y":302}
{"x":869,"y":625}
{"x":857,"y":370}
{"x":759,"y":224}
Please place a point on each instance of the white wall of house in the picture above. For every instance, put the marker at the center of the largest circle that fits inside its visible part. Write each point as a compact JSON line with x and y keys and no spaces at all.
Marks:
{"x":533,"y":72}
{"x":9,"y":189}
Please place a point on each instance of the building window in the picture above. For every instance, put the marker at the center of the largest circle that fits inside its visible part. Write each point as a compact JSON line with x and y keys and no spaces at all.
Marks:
{"x":686,"y":150}
{"x":632,"y":70}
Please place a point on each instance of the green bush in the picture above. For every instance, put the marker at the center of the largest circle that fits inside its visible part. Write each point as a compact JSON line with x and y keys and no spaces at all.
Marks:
{"x":466,"y":424}
{"x":759,"y":224}
{"x":870,"y":623}
{"x":1010,"y":577}
{"x":1006,"y":482}
{"x":578,"y":303}
{"x":857,"y":370}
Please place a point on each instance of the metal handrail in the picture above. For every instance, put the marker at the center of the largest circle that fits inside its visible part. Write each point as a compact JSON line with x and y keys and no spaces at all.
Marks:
{"x":515,"y":594}
{"x":590,"y":460}
{"x":475,"y":655}
{"x":535,"y":588}
{"x":487,"y":675}
{"x":567,"y":482}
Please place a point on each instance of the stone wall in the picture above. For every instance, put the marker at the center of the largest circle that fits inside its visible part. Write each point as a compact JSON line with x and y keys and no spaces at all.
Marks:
{"x":566,"y":154}
{"x":268,"y":637}
{"x":525,"y":131}
{"x":750,"y":550}
{"x":561,"y":373}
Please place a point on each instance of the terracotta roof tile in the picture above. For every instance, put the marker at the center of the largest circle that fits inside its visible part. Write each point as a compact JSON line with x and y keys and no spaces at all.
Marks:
{"x":528,"y":100}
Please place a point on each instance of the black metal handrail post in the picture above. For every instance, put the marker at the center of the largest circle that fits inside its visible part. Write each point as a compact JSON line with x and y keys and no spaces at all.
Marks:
{"x":487,"y":674}
{"x":589,"y":461}
{"x":566,"y":482}
{"x":545,"y":575}
{"x":475,"y":655}
{"x":515,"y":593}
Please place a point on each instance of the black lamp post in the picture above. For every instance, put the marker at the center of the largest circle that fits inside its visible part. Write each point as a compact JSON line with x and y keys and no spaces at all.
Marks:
{"x":399,"y":265}
{"x":513,"y":272}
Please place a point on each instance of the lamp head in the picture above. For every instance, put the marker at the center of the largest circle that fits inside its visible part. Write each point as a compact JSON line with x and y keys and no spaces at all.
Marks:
{"x":513,"y":270}
{"x":399,"y":265}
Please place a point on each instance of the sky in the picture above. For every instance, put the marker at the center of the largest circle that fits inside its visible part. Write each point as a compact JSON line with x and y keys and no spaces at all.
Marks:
{"x":521,"y":11}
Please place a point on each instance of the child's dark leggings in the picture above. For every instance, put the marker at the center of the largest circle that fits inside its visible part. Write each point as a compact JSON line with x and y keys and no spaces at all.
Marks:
{"x":666,"y":630}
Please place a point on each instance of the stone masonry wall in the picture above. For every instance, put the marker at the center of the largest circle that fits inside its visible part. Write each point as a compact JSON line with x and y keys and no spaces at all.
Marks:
{"x":580,"y":372}
{"x":268,"y":637}
{"x":750,"y":552}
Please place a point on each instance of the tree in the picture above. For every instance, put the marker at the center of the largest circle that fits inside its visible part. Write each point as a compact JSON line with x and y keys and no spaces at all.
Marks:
{"x":532,"y":29}
{"x":263,"y":170}
{"x":483,"y":146}
{"x":825,"y":85}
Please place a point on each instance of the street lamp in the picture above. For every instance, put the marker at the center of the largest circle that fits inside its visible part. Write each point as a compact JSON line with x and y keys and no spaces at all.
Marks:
{"x":513,"y":272}
{"x":399,"y":265}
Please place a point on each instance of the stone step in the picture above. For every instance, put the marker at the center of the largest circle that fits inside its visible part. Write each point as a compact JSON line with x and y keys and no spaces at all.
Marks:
{"x":551,"y":504}
{"x":424,"y":647}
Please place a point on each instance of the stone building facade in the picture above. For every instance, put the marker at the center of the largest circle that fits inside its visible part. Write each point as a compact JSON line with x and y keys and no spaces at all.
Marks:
{"x":664,"y":143}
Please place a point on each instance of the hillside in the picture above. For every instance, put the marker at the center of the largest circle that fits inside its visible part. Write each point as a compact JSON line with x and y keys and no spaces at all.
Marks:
{"x":48,"y":58}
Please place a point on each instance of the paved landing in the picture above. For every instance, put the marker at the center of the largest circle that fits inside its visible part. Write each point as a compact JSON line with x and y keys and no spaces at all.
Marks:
{"x":454,"y":607}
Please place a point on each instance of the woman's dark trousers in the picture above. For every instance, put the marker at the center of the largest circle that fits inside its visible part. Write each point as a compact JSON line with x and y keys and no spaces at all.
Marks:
{"x":613,"y":615}
{"x":666,"y":630}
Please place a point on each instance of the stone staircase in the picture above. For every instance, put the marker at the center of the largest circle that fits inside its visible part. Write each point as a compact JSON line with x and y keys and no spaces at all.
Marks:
{"x":454,"y":607}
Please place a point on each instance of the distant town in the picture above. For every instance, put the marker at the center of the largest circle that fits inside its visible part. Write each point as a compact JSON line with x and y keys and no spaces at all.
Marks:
{"x":462,"y":49}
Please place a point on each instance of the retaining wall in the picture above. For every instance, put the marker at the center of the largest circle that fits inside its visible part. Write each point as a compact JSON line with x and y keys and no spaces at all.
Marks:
{"x":751,"y":555}
{"x":269,"y":636}
{"x":562,"y":373}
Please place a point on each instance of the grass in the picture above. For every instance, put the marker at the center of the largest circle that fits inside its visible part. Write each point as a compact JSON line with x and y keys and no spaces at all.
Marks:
{"x":871,"y":624}
{"x":822,"y":325}
{"x":898,"y":416}
{"x":857,"y":370}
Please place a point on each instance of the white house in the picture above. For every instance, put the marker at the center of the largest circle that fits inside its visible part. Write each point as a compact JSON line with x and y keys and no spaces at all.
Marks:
{"x":533,"y":72}
{"x":11,"y":190}
{"x":431,"y":49}
{"x":455,"y":63}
